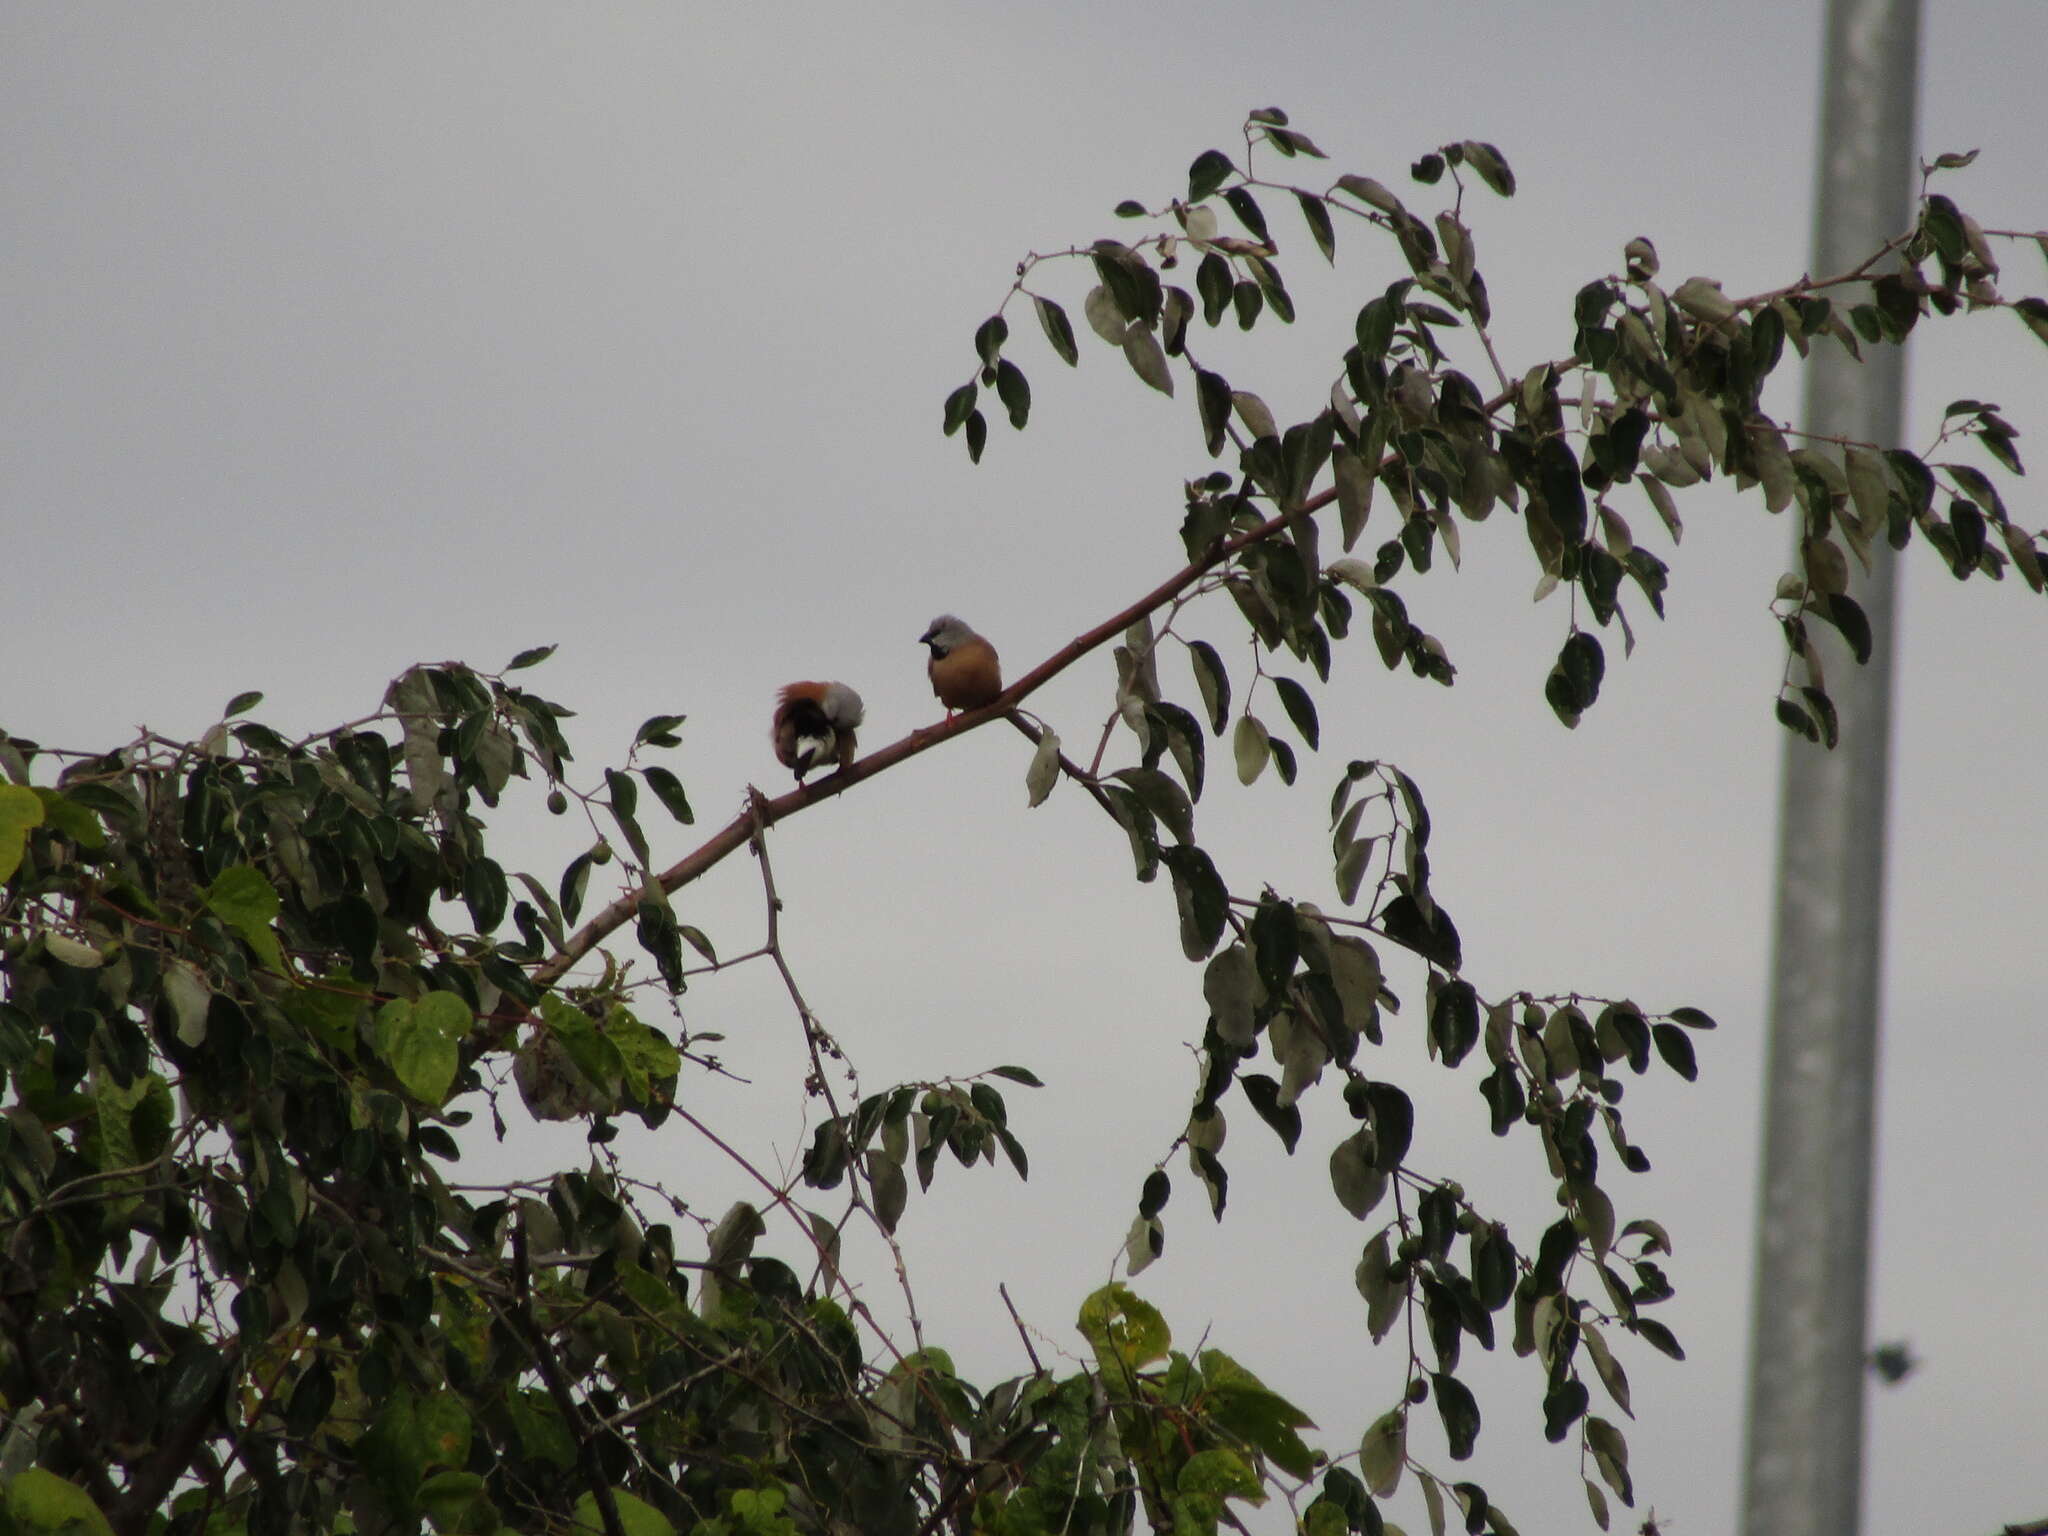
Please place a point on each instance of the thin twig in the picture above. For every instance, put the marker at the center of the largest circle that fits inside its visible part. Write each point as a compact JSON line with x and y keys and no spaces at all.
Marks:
{"x":1037,"y":1366}
{"x":763,"y":812}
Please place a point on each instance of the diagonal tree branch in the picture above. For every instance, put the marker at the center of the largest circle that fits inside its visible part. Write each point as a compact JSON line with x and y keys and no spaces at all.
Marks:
{"x":764,"y":813}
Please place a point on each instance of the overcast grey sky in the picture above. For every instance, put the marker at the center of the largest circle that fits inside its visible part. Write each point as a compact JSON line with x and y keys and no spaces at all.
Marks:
{"x":338,"y":338}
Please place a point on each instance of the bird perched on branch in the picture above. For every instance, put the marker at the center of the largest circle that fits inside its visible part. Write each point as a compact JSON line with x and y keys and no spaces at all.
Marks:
{"x":963,"y":668}
{"x":814,"y":724}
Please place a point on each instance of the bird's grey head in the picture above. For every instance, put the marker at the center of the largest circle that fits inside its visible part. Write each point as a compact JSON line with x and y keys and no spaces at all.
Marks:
{"x":944,"y":634}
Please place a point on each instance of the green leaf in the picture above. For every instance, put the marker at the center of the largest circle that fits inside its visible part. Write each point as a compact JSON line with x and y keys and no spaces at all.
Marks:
{"x":1263,"y":1419}
{"x":638,"y":1518}
{"x":533,"y":656}
{"x":1123,"y":1330}
{"x":1250,"y":747}
{"x":1018,"y":1075}
{"x":1358,"y":1184}
{"x":419,"y":1041}
{"x":1611,"y":1374}
{"x":21,"y":811}
{"x":1220,"y":1474}
{"x":1148,"y":359}
{"x":40,"y":1500}
{"x":241,"y":703}
{"x":248,"y":903}
{"x":1371,"y":193}
{"x":1383,"y":1452}
{"x":1044,"y":771}
{"x":1053,"y":321}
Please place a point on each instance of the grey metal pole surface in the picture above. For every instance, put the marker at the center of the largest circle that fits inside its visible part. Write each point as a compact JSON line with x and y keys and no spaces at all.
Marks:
{"x":1804,"y":1459}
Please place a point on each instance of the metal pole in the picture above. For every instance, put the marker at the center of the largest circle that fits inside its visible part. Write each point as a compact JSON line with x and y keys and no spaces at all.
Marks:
{"x":1803,"y":1467}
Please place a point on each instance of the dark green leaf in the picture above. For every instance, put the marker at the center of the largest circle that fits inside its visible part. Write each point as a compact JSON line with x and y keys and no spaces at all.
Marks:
{"x":1212,"y":401}
{"x":1300,"y":709}
{"x":1460,"y":1413}
{"x":1213,"y":681}
{"x":2034,"y":312}
{"x":1562,"y":1407}
{"x":1318,"y":217}
{"x":1157,"y":1189}
{"x":239,"y":703}
{"x":1246,"y":207}
{"x":1275,"y":944}
{"x":958,"y":406}
{"x":1393,"y":1125}
{"x":1823,"y":709}
{"x":1504,"y":1097}
{"x":658,"y":731}
{"x":575,"y":881}
{"x":989,"y":338}
{"x":1454,"y":1021}
{"x":1203,"y":900}
{"x":1264,"y":1094}
{"x":1564,"y":494}
{"x":1214,"y":283}
{"x":1210,"y":170}
{"x":1847,"y":615}
{"x":1432,"y":937}
{"x":1675,"y":1046}
{"x":1053,"y":321}
{"x":312,"y":1397}
{"x":1796,"y":720}
{"x":1014,"y":392}
{"x":1491,"y":166}
{"x":1658,"y":1337}
{"x":668,"y":789}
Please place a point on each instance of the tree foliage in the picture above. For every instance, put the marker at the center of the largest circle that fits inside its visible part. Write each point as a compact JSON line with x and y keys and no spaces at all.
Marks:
{"x":263,"y":997}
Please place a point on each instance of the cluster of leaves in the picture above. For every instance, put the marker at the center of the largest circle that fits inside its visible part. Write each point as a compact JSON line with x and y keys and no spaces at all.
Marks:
{"x":1285,"y":979}
{"x":252,"y":990}
{"x":1662,"y":390}
{"x":240,"y":1292}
